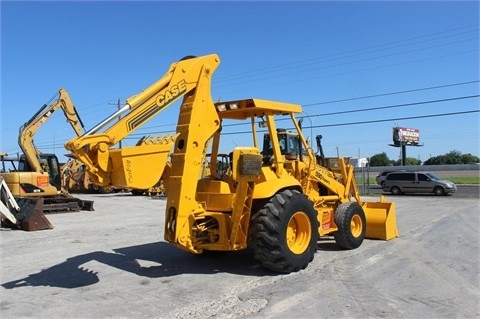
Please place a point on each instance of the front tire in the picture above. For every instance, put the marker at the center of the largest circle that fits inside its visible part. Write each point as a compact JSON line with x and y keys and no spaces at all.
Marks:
{"x":351,"y":223}
{"x":395,"y":190}
{"x":284,"y":233}
{"x":439,"y":191}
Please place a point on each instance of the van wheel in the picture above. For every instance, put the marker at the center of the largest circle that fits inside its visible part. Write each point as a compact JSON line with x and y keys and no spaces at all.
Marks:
{"x":395,"y":190}
{"x":284,"y":233}
{"x":351,"y":223}
{"x":439,"y":191}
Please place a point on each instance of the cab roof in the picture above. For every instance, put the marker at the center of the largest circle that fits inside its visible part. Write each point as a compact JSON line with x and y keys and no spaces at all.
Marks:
{"x":244,"y":109}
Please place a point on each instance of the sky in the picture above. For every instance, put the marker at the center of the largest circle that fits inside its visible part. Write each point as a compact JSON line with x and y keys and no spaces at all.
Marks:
{"x":358,"y":68}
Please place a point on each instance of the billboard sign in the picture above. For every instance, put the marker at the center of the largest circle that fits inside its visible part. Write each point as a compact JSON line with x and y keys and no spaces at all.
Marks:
{"x":406,"y":136}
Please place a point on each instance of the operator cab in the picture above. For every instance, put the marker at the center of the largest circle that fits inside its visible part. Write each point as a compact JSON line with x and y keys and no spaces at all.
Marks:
{"x":50,"y":165}
{"x":288,"y":142}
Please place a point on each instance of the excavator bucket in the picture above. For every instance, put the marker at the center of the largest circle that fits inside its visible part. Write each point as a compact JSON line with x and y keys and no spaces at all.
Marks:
{"x":129,"y":164}
{"x":31,"y":216}
{"x":381,"y":220}
{"x":25,"y":213}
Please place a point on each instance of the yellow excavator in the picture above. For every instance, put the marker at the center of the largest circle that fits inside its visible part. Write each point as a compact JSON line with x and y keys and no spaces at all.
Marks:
{"x":279,"y":202}
{"x":35,"y":177}
{"x":75,"y":178}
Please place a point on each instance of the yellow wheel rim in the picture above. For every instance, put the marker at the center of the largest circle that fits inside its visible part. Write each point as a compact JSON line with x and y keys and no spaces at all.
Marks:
{"x":299,"y":232}
{"x":356,"y":226}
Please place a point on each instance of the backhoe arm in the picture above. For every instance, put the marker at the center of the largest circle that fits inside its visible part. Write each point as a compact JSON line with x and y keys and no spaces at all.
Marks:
{"x":28,"y":130}
{"x":126,"y":166}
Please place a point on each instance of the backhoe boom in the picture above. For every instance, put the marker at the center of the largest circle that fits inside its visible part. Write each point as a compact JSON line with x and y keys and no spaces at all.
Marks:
{"x":115,"y":166}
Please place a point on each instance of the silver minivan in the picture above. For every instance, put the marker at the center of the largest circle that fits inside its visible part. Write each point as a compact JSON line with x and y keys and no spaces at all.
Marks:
{"x":417,"y":182}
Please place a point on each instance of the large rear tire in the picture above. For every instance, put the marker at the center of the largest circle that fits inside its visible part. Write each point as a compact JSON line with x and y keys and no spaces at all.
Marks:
{"x":351,"y":223}
{"x":284,"y":233}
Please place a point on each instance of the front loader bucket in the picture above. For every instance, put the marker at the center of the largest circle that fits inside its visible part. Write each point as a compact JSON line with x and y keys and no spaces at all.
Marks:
{"x":31,"y":216}
{"x":381,"y":220}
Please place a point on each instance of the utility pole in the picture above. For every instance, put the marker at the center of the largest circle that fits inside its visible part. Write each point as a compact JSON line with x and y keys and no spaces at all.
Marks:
{"x":119,"y":106}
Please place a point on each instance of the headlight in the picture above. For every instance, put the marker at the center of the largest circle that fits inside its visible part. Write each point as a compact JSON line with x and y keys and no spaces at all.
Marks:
{"x":221,"y":107}
{"x":233,"y":106}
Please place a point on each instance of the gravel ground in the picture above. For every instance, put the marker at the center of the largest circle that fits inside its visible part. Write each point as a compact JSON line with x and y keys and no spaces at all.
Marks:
{"x":114,"y":263}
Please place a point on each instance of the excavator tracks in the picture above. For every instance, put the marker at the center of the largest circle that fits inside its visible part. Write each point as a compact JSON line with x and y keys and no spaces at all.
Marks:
{"x":65,"y":204}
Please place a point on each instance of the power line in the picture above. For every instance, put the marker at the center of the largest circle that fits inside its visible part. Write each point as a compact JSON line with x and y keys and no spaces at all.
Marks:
{"x":278,"y":72}
{"x":347,"y":54}
{"x":391,"y":93}
{"x":327,"y":125}
{"x":460,"y":31}
{"x":360,"y":122}
{"x":356,"y":110}
{"x":258,"y":74}
{"x":137,"y":135}
{"x":355,"y":98}
{"x":372,"y":121}
{"x":398,"y":118}
{"x":396,"y":105}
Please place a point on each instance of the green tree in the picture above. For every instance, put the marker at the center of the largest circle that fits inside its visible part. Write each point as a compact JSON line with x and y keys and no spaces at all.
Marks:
{"x":453,"y":157}
{"x":412,"y":161}
{"x":409,"y":161}
{"x":469,"y":158}
{"x":436,"y":160}
{"x":380,"y":159}
{"x":395,"y":162}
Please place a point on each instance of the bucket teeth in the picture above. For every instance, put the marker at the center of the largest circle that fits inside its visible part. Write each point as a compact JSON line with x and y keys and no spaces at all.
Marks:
{"x":157,"y":140}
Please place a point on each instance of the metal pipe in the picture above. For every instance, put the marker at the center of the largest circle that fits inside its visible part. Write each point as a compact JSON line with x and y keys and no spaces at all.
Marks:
{"x":135,"y":100}
{"x":112,"y":117}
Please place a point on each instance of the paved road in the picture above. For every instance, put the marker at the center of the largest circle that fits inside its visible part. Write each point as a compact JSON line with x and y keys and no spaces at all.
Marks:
{"x":113,"y":263}
{"x":463,"y":191}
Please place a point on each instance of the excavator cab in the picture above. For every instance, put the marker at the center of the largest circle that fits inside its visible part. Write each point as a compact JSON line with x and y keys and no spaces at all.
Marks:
{"x":23,"y":181}
{"x":50,"y":165}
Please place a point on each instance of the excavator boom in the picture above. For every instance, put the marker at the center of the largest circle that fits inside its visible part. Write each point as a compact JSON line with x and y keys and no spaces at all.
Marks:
{"x":28,"y":130}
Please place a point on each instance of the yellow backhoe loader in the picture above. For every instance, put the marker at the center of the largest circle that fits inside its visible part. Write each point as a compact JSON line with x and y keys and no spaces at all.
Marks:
{"x":278,"y":203}
{"x":37,"y":175}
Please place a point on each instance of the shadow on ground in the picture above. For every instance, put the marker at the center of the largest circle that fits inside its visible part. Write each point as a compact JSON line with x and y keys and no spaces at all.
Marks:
{"x":166,"y":259}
